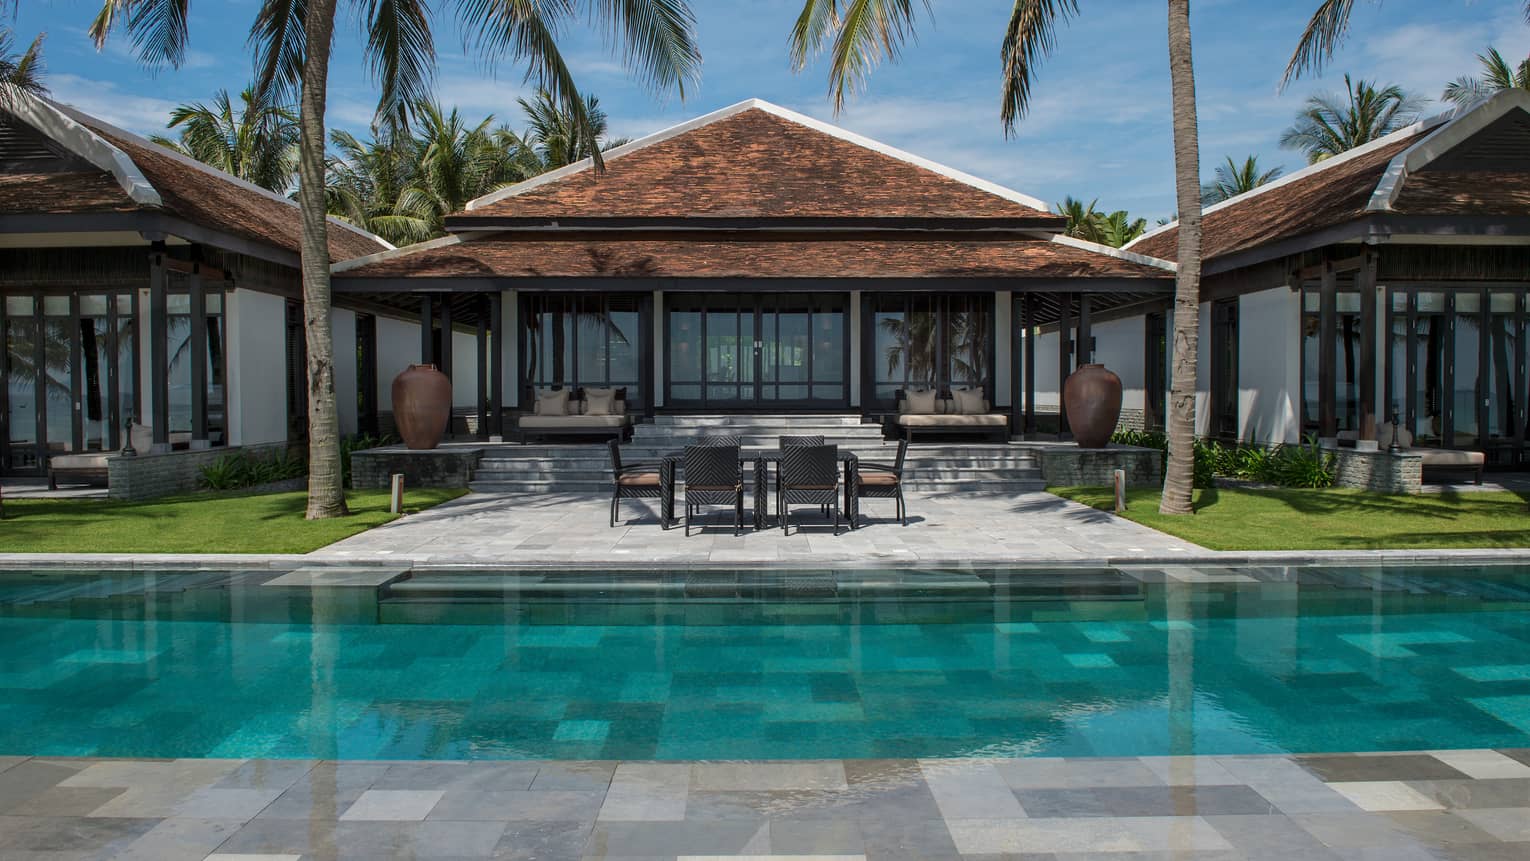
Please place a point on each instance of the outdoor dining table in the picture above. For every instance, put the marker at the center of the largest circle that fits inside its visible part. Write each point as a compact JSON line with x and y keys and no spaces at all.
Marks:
{"x":762,"y":458}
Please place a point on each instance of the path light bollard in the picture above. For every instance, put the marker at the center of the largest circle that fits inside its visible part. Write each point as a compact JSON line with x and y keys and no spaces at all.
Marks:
{"x":1120,"y":477}
{"x":396,"y":494}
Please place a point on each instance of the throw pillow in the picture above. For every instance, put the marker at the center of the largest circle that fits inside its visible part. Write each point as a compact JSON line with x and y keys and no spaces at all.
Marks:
{"x":920,"y":403}
{"x":553,"y":403}
{"x":599,"y":402}
{"x":969,"y":402}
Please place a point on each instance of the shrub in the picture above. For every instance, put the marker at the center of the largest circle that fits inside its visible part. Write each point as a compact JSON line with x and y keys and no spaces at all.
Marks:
{"x":1303,"y":465}
{"x":243,"y":469}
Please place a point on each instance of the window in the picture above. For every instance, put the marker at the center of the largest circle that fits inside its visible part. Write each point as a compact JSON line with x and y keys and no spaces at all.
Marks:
{"x":925,"y":341}
{"x":297,"y":373}
{"x":585,"y":340}
{"x":1224,"y":369}
{"x":1155,"y":369}
{"x":366,"y":374}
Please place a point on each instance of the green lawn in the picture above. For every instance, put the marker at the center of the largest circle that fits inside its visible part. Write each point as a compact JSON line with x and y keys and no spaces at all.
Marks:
{"x":1240,"y":519}
{"x":201,"y":523}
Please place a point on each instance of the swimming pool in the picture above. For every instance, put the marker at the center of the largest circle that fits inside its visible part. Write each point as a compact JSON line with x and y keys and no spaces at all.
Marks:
{"x":765,"y":665}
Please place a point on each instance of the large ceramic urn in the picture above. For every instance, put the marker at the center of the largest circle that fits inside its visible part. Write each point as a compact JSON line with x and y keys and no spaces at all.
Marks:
{"x":422,"y":405}
{"x":1092,"y":396}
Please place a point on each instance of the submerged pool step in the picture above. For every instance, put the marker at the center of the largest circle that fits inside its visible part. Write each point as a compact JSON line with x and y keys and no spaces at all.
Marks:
{"x":694,"y":585}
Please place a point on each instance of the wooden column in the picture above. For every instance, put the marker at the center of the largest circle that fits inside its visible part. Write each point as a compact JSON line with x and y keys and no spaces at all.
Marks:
{"x":112,"y":437}
{"x":1328,"y":359}
{"x":1015,"y":359}
{"x":1085,"y":352}
{"x":1029,"y":321}
{"x":1366,"y":281}
{"x":1064,"y":357}
{"x":446,"y":336}
{"x":198,"y":297}
{"x":497,"y":364}
{"x":159,"y":360}
{"x":483,"y":368}
{"x":77,"y":375}
{"x":427,"y":324}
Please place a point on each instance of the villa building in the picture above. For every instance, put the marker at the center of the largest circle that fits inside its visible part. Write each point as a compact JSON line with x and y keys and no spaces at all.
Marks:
{"x":758,"y":261}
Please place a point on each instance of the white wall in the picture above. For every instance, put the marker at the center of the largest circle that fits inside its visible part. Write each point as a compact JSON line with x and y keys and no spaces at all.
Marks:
{"x":343,"y":332}
{"x":1046,"y":371}
{"x":1118,"y":345}
{"x":1269,"y":366}
{"x":398,"y":347}
{"x":465,"y":370}
{"x":257,"y":367}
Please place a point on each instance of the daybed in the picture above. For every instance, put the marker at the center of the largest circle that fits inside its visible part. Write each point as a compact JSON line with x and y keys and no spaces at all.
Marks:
{"x":959,"y":411}
{"x":1435,"y":460}
{"x":90,"y":467}
{"x":581,"y":412}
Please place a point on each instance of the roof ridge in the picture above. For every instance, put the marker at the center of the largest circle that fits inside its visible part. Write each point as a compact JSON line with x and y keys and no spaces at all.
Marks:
{"x":59,"y":125}
{"x":392,"y":252}
{"x":1349,"y":155}
{"x":1118,"y":253}
{"x":783,"y":113}
{"x":1458,"y":125}
{"x":186,"y":161}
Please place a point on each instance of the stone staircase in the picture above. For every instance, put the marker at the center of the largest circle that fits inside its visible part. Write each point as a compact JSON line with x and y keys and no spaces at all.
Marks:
{"x":586,"y":467}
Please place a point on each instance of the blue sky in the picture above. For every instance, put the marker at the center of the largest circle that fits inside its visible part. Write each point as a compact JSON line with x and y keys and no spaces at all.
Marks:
{"x":1099,"y":126}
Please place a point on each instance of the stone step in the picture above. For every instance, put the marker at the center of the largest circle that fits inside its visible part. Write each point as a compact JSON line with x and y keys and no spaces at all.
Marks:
{"x":603,"y":487}
{"x":784,"y":420}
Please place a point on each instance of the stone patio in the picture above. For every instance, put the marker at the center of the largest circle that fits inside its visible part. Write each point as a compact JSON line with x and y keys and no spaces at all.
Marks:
{"x":943,"y":527}
{"x":1465,"y":805}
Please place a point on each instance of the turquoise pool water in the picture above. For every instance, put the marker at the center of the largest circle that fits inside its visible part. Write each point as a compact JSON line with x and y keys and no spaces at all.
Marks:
{"x":1065,"y":663}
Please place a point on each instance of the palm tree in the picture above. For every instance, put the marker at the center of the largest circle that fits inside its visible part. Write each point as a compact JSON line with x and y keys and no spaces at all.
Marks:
{"x":1497,"y":76}
{"x":1329,"y":126}
{"x":1234,"y":179}
{"x":1082,"y":217}
{"x":257,"y":143}
{"x":555,"y":134}
{"x":23,"y":71}
{"x":1118,"y":228}
{"x":1324,"y":32}
{"x":860,"y":34}
{"x":292,"y":40}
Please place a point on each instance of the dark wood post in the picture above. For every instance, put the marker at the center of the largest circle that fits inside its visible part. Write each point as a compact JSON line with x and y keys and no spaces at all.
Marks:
{"x":1085,"y":352}
{"x":1366,"y":279}
{"x":1064,"y":357}
{"x":198,"y":298}
{"x":1328,"y":335}
{"x":482,"y":334}
{"x":1029,"y":321}
{"x":159,"y":359}
{"x":1015,"y":316}
{"x":445,"y":357}
{"x":497,"y":364}
{"x":77,"y":377}
{"x":427,"y":327}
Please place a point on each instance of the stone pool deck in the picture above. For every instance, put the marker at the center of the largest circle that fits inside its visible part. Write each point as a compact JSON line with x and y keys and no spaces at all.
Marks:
{"x":1464,"y":805}
{"x":943,"y":527}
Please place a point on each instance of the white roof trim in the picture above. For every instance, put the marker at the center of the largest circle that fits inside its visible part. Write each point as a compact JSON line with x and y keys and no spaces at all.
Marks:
{"x":1309,"y":170}
{"x":1455,"y":128}
{"x":53,"y":121}
{"x":439,"y":242}
{"x":1118,"y":253}
{"x":784,"y":113}
{"x":186,"y":161}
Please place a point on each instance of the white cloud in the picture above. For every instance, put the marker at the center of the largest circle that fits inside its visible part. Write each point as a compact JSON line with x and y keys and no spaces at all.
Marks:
{"x":142,"y":114}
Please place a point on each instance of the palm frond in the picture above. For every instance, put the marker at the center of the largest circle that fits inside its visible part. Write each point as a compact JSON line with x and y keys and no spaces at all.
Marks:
{"x":280,"y":44}
{"x":24,"y":72}
{"x":860,"y":35}
{"x":1028,"y":39}
{"x":401,"y":54}
{"x":815,"y":24}
{"x":160,"y":31}
{"x":1321,"y":37}
{"x":658,"y":39}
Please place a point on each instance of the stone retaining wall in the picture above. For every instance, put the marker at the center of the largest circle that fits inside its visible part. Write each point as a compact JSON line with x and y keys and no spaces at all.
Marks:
{"x":1071,"y":466}
{"x":148,"y":476}
{"x":442,"y":467}
{"x":1379,"y":471}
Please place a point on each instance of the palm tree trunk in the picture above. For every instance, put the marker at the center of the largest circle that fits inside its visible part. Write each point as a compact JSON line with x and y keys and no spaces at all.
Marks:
{"x":326,"y":492}
{"x":1179,"y":472}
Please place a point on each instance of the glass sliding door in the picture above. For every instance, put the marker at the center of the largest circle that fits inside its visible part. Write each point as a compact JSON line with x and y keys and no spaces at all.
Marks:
{"x":923,"y":341}
{"x":24,"y":409}
{"x":748,"y":352}
{"x":576,"y":340}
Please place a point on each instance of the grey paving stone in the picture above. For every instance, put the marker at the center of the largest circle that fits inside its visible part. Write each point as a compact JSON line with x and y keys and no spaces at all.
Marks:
{"x":476,"y":776}
{"x":1441,"y":828}
{"x":1337,"y":769}
{"x":1076,"y":773}
{"x":542,"y":841}
{"x":1268,"y":835}
{"x":519,"y":806}
{"x":278,"y":774}
{"x":670,"y":838}
{"x":573,"y":775}
{"x":907,"y":840}
{"x":71,"y":834}
{"x":344,"y":841}
{"x":790,"y":836}
{"x":66,"y":801}
{"x":1474,"y":794}
{"x":25,"y":780}
{"x":179,"y":839}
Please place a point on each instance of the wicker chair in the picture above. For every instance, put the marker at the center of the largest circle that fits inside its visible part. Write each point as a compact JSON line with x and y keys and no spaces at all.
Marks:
{"x":809,"y":475}
{"x":787,"y":442}
{"x":712,"y":478}
{"x":631,"y":481}
{"x":883,"y":481}
{"x":719,"y":440}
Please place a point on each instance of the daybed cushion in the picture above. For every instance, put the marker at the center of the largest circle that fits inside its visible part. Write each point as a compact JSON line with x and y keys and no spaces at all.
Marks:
{"x":992,"y":420}
{"x":554,"y":422}
{"x":553,"y":403}
{"x":641,"y":479}
{"x":919,"y":403}
{"x":968,"y":402}
{"x":1452,"y":457}
{"x":95,"y":461}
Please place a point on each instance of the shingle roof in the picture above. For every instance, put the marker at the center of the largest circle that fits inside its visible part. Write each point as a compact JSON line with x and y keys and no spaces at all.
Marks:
{"x":1322,"y":198}
{"x":120,"y":172}
{"x":758,"y":160}
{"x":748,"y":255}
{"x":1465,"y":192}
